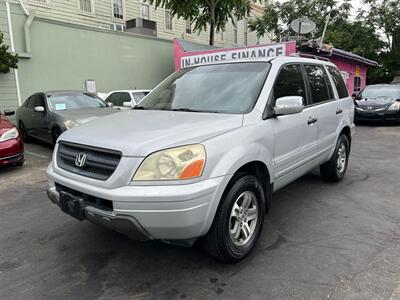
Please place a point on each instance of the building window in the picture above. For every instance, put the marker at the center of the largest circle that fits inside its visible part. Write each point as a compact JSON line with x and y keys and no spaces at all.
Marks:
{"x":168,"y":20}
{"x":189,"y":26}
{"x":118,"y":9}
{"x":357,"y":83}
{"x":235,"y":31}
{"x":86,"y":6}
{"x":219,"y":35}
{"x":245,"y":30}
{"x":145,"y":11}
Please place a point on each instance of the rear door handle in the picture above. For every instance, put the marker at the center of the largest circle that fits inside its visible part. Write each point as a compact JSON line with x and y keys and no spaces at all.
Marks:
{"x":339,"y":111}
{"x":312,"y":120}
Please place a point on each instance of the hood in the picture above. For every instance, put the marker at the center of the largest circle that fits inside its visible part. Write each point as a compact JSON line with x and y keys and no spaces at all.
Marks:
{"x":141,"y":132}
{"x":375,"y":102}
{"x":84,"y":115}
{"x":5,"y":124}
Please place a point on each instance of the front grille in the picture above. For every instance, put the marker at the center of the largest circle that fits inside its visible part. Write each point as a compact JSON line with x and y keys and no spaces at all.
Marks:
{"x":99,"y":164}
{"x":89,"y":200}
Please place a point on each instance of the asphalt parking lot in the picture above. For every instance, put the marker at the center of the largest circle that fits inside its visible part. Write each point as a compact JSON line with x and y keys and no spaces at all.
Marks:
{"x":320,"y":240}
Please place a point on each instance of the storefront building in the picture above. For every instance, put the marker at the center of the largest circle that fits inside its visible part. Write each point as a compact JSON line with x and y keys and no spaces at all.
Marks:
{"x":352,"y":67}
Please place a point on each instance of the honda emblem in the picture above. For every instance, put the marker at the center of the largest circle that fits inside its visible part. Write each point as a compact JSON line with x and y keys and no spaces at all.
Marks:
{"x":80,"y":160}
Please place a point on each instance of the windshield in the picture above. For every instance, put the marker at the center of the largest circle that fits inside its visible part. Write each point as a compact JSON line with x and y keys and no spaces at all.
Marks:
{"x":74,"y":101}
{"x":224,"y":88}
{"x":381,"y":92}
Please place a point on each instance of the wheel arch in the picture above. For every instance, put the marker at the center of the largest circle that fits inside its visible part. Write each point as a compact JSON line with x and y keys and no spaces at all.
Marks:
{"x":347,"y":132}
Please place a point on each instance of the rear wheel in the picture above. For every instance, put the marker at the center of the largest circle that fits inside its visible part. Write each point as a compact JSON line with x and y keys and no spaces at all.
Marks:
{"x":25,"y":137}
{"x":336,"y":167}
{"x":238,"y":221}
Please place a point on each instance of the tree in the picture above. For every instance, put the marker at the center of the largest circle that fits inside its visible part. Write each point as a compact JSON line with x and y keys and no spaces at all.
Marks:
{"x":215,"y":13}
{"x":384,"y":17}
{"x":7,"y":60}
{"x":278,"y":15}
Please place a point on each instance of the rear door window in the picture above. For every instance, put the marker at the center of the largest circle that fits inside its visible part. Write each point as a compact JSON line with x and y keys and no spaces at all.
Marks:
{"x":290,"y":82}
{"x":339,"y":82}
{"x":118,"y":98}
{"x":124,"y":97}
{"x":318,"y":81}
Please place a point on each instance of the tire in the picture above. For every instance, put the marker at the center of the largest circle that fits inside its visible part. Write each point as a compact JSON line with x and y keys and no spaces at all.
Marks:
{"x":229,"y":222}
{"x":335,"y":168}
{"x":25,"y":137}
{"x":55,"y":133}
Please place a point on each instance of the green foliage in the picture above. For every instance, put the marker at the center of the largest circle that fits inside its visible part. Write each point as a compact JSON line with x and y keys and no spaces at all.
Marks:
{"x":7,"y":60}
{"x":278,"y":15}
{"x":362,"y":36}
{"x":215,"y":13}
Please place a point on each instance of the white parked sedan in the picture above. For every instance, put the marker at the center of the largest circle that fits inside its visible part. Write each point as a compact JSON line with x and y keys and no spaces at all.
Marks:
{"x":124,"y":99}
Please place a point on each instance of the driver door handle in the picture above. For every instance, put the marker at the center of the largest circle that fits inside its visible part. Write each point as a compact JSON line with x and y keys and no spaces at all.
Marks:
{"x":339,"y":111}
{"x":312,"y":120}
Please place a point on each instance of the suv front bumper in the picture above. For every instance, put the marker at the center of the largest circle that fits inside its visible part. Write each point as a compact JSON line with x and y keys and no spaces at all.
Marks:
{"x":169,"y":212}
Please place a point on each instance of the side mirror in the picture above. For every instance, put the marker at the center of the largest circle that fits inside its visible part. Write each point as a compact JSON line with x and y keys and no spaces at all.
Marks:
{"x":9,"y":112}
{"x":110,"y":104}
{"x":288,"y":105}
{"x":39,"y":109}
{"x":127,"y":104}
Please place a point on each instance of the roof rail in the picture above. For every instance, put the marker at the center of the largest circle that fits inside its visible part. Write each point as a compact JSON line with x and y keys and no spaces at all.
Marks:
{"x":310,"y":56}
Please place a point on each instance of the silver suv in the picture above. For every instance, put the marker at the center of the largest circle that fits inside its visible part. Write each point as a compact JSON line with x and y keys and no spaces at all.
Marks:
{"x":202,"y":154}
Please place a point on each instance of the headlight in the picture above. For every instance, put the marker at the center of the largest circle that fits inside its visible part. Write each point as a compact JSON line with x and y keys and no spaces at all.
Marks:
{"x":70,"y":124}
{"x":395,"y":106}
{"x":173,"y":164}
{"x":9,"y":135}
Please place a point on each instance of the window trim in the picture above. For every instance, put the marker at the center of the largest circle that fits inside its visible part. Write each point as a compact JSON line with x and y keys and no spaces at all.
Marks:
{"x":165,"y":20}
{"x":188,"y":22}
{"x":354,"y":84}
{"x":87,"y":13}
{"x":123,"y":11}
{"x":268,"y":112}
{"x":312,"y":104}
{"x":140,"y":9}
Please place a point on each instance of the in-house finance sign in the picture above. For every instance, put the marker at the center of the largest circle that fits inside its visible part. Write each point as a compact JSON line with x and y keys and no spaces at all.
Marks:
{"x":235,"y":54}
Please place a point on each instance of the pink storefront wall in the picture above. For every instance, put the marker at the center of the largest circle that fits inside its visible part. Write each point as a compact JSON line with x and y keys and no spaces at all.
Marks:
{"x":351,"y":68}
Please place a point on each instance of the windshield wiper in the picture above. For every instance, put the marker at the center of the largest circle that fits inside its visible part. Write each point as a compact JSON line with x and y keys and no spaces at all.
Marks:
{"x":192,"y":110}
{"x":139,"y":107}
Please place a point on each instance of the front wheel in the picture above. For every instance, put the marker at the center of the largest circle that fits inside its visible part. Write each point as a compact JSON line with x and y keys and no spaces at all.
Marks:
{"x":238,"y":221}
{"x":335,"y":168}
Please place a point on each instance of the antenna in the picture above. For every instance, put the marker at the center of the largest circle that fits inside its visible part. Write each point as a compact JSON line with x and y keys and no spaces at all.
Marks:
{"x":323,"y":33}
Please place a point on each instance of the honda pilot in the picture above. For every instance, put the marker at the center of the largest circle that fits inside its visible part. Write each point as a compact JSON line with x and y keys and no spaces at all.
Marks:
{"x":202,"y":154}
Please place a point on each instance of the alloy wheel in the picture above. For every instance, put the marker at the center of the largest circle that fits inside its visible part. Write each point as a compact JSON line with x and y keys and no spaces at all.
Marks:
{"x":243,"y":218}
{"x":342,"y":158}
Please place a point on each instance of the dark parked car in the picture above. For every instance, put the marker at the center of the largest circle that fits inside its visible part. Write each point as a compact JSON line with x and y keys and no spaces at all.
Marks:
{"x":45,"y":116}
{"x":378,"y":102}
{"x":11,"y":146}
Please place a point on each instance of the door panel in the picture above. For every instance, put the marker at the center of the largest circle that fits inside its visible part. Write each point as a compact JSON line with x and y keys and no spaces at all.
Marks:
{"x":295,"y":142}
{"x":295,"y":136}
{"x":39,"y":119}
{"x":329,"y":108}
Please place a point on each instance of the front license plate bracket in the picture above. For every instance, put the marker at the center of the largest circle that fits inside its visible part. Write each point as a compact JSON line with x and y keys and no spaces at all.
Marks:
{"x":72,"y":205}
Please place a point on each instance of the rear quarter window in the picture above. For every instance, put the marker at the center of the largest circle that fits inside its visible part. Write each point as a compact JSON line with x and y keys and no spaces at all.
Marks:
{"x":338,"y":81}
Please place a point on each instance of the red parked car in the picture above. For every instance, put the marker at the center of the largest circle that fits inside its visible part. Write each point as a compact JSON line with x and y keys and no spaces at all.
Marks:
{"x":11,"y":146}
